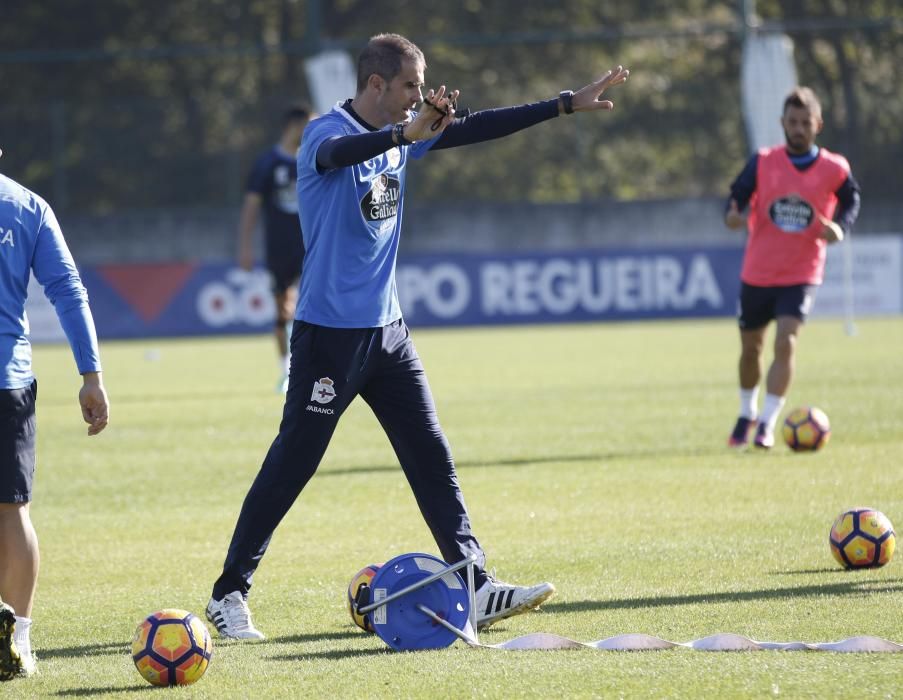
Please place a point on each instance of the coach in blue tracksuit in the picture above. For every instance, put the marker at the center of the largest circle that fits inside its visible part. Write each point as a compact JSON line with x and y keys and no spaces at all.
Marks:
{"x":349,"y":337}
{"x":31,"y":242}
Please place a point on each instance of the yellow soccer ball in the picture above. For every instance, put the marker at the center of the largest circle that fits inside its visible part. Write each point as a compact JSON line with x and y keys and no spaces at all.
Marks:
{"x":862,"y":538}
{"x":171,"y":647}
{"x":806,"y":429}
{"x":359,"y":595}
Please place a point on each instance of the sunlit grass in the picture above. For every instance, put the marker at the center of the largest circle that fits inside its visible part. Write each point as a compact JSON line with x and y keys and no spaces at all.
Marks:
{"x":592,"y":456}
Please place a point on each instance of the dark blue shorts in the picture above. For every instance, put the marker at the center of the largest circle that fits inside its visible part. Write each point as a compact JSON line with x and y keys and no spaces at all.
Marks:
{"x":284,"y":260}
{"x":17,"y":440}
{"x":758,"y":306}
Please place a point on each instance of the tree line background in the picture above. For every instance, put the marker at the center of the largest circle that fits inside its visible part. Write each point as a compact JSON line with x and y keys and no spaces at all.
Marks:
{"x":111,"y":105}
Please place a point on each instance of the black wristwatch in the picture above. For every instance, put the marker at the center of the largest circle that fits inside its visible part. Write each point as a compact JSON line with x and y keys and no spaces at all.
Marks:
{"x":398,"y":134}
{"x":567,"y":100}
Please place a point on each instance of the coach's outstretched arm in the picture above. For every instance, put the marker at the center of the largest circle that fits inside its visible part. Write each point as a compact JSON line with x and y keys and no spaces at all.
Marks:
{"x":488,"y":124}
{"x":436,"y":118}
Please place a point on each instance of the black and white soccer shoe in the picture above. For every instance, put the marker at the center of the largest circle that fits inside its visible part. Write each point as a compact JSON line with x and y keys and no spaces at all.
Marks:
{"x":497,"y":600}
{"x":232,"y":617}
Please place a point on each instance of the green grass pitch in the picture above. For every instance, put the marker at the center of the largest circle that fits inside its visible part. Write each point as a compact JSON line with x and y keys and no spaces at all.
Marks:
{"x":590,"y":455}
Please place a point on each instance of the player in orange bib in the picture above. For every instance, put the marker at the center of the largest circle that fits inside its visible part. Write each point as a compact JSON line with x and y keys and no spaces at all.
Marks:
{"x":801,"y":198}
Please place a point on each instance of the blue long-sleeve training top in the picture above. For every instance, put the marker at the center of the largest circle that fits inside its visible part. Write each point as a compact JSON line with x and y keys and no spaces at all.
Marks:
{"x":31,"y":242}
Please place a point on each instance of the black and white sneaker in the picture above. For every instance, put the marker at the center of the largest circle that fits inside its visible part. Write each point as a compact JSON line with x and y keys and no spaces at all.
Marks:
{"x":232,"y":617}
{"x":10,"y":660}
{"x":497,"y":600}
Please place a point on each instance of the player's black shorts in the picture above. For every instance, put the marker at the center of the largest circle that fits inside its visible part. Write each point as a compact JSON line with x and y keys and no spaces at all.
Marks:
{"x":284,"y":263}
{"x":17,"y":440}
{"x":759,"y":305}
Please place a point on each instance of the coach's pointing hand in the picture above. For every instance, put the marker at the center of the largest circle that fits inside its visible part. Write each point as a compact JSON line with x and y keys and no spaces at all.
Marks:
{"x":586,"y":99}
{"x":436,"y":113}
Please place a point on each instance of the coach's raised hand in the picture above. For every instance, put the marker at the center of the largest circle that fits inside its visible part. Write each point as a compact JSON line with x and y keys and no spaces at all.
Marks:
{"x":436,"y":113}
{"x":586,"y":99}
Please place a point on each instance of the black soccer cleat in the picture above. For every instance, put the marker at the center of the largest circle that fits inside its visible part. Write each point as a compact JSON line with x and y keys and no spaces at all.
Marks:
{"x":10,"y":660}
{"x":740,"y":435}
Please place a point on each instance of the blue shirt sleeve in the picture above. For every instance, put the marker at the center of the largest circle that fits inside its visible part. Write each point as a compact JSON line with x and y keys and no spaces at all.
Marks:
{"x":342,"y":151}
{"x":485,"y":125}
{"x":489,"y":124}
{"x":55,"y":271}
{"x":743,"y":187}
{"x":848,"y":204}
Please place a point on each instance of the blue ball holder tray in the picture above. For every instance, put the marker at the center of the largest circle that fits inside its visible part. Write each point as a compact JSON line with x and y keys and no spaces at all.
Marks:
{"x":419,"y":601}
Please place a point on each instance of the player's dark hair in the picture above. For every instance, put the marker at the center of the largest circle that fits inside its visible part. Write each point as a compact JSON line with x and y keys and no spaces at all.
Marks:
{"x":383,"y":55}
{"x":805,"y":98}
{"x":298,"y":112}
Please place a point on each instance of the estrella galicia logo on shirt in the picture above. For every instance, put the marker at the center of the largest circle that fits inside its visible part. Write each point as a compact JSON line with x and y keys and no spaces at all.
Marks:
{"x":791,"y":214}
{"x":381,"y":202}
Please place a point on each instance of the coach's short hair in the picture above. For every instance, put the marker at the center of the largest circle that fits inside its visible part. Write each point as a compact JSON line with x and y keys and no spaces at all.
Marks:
{"x":805,"y":98}
{"x":383,"y":55}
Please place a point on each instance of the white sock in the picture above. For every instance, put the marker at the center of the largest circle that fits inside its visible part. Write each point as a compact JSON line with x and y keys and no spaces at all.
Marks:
{"x":284,"y":365}
{"x":22,"y":635}
{"x":771,"y":410}
{"x":749,"y":399}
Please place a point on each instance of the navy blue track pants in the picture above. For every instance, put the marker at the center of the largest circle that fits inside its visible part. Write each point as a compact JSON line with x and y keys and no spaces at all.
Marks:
{"x":329,"y":368}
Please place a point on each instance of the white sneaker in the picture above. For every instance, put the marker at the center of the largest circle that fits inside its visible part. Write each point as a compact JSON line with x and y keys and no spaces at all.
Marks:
{"x":10,"y":660}
{"x":29,"y":665}
{"x":764,"y":437}
{"x":232,"y":617}
{"x":497,"y":600}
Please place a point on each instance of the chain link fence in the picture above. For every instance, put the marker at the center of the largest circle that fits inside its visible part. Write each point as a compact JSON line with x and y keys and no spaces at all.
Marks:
{"x":677,"y":132}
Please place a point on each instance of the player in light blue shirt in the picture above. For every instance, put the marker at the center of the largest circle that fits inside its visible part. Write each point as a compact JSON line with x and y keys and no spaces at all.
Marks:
{"x":349,"y":338}
{"x":31,"y":243}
